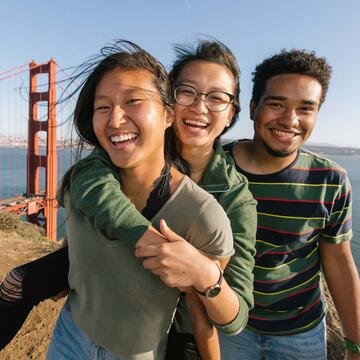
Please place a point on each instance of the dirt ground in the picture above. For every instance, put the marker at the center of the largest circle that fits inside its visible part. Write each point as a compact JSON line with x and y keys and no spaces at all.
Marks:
{"x":33,"y":339}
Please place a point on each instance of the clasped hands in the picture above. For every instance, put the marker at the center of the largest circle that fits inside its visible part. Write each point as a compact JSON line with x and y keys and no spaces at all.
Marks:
{"x":176,"y":261}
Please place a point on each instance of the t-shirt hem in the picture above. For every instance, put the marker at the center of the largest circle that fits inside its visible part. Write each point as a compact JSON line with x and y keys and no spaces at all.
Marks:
{"x":288,"y":332}
{"x":219,"y":256}
{"x":337,"y":241}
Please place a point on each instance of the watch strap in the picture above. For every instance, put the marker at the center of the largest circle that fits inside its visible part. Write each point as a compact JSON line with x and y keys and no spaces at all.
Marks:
{"x":218,"y":284}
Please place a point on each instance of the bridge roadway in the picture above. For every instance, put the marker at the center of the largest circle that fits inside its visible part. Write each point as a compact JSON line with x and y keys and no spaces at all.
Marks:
{"x":22,"y":205}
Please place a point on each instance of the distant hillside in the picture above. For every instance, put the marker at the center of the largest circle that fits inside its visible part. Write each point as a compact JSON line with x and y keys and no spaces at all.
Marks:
{"x":332,"y":150}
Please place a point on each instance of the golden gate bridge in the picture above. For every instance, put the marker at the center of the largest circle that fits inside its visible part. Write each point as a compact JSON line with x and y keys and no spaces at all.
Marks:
{"x":32,"y":117}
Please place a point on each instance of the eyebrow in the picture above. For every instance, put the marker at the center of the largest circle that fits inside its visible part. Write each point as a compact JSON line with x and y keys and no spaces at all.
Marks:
{"x":129,"y":90}
{"x":100,"y":97}
{"x":194,"y":84}
{"x":282,"y":98}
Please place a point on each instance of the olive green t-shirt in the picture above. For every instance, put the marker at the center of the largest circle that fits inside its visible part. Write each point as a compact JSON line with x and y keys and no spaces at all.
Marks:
{"x":116,"y":302}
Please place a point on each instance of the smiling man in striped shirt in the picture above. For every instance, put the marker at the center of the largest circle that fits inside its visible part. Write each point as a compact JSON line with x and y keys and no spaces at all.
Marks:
{"x":304,"y":219}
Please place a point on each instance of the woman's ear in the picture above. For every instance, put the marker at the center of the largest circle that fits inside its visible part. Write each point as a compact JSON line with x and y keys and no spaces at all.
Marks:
{"x":231,"y":116}
{"x":169,"y":117}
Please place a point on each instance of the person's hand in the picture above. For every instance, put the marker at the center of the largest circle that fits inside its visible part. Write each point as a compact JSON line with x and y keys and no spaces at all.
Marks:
{"x":151,"y":237}
{"x":176,"y":262}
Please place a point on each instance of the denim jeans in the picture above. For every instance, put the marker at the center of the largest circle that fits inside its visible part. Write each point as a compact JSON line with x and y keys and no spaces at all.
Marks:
{"x":69,"y":342}
{"x":249,"y":345}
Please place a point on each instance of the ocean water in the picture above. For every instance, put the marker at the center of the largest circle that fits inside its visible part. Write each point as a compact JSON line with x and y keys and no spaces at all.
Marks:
{"x":13,"y":182}
{"x":352,"y":164}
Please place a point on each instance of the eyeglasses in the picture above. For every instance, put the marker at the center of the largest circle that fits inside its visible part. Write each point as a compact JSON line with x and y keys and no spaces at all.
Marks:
{"x":215,"y":101}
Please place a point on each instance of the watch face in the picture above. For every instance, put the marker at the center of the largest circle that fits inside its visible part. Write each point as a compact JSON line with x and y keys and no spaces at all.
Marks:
{"x":213,"y":292}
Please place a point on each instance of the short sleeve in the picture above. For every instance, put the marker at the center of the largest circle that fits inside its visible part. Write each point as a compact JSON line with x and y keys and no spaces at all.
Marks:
{"x":212,"y":231}
{"x":339,"y":225}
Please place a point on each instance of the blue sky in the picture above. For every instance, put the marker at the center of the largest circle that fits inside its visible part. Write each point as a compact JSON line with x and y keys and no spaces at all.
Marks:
{"x":71,"y":31}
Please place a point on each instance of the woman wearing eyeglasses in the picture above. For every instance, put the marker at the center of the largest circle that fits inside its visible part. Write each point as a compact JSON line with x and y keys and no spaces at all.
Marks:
{"x":206,"y":93}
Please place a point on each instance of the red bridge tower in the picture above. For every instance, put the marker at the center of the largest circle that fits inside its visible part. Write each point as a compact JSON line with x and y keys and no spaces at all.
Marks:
{"x":47,"y":159}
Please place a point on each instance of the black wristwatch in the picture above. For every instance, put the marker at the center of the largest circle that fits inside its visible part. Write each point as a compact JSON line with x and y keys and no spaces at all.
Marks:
{"x":214,"y":290}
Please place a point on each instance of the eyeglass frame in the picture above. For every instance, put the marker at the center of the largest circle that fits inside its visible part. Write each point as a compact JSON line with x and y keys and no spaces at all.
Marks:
{"x":231,"y":96}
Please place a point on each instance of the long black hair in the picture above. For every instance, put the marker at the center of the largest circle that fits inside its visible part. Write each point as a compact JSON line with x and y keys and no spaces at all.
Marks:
{"x":121,"y":54}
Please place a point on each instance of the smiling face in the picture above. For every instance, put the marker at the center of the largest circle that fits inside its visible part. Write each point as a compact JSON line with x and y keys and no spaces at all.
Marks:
{"x":195,"y":125}
{"x":129,"y":118}
{"x":286,"y":113}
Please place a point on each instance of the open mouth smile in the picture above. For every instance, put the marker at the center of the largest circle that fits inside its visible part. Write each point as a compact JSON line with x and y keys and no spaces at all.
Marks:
{"x":196,"y":124}
{"x":124,"y":138}
{"x":284,"y":135}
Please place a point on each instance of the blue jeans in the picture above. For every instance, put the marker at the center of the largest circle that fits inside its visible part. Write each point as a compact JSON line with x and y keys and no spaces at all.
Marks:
{"x":69,"y":342}
{"x":249,"y":345}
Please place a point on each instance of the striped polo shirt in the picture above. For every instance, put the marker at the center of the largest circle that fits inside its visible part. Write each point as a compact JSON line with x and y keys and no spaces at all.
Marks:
{"x":308,"y":201}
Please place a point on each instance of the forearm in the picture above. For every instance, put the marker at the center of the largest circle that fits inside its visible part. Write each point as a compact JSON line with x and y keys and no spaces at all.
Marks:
{"x":345,"y":292}
{"x":223,"y":308}
{"x":193,"y":269}
{"x":205,"y":334}
{"x":344,"y":286}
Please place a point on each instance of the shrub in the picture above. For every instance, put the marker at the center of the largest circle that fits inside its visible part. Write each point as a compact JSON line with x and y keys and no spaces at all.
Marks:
{"x":12,"y":223}
{"x":9,"y":222}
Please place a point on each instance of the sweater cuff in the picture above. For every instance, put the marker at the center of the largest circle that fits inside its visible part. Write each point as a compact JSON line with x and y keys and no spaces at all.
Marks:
{"x":240,"y":321}
{"x":133,"y":231}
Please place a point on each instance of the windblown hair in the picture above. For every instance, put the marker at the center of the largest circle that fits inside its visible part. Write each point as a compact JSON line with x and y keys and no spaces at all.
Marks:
{"x":212,"y":51}
{"x":122,"y":54}
{"x":291,"y":62}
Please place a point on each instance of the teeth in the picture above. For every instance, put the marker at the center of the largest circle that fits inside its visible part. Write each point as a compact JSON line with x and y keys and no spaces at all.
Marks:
{"x":124,"y":137}
{"x":283,"y":133}
{"x":196,"y":123}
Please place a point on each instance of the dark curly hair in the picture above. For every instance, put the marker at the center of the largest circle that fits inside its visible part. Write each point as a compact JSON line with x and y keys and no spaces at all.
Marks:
{"x":212,"y":51}
{"x":291,"y":62}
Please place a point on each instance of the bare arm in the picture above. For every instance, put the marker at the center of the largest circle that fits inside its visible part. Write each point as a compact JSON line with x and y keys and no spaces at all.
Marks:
{"x":205,"y":333}
{"x":192,"y":268}
{"x":343,"y":281}
{"x":151,"y":237}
